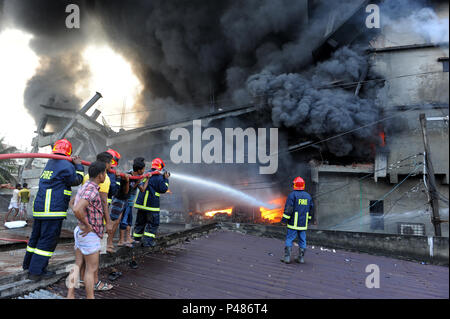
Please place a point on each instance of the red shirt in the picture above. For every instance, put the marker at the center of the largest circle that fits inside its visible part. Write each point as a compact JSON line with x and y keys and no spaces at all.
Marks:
{"x":89,"y":191}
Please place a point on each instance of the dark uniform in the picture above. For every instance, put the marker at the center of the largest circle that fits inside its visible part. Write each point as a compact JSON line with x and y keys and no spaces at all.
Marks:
{"x":298,"y":211}
{"x":49,"y":210}
{"x":147,"y":203}
{"x":113,"y":187}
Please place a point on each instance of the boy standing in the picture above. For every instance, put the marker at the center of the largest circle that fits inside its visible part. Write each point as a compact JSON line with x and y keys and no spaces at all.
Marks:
{"x":127,"y":217}
{"x":14,"y":204}
{"x":24,"y":198}
{"x":88,"y":210}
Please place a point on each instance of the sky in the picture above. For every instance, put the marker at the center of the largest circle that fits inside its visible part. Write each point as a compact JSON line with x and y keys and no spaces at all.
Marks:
{"x":119,"y":86}
{"x":18,"y":64}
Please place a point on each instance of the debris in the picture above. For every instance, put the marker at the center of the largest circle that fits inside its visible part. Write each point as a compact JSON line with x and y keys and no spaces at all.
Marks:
{"x":16,"y":224}
{"x":312,"y":247}
{"x":270,"y":254}
{"x":133,"y":264}
{"x":334,"y":250}
{"x":114,"y":275}
{"x":347,"y":260}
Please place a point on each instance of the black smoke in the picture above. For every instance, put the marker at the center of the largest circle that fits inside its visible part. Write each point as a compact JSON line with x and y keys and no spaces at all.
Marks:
{"x":188,"y":53}
{"x":316,"y":105}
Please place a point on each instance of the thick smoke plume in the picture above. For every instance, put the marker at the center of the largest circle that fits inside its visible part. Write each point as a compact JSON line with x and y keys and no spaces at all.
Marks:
{"x":187,"y":53}
{"x":310,"y":103}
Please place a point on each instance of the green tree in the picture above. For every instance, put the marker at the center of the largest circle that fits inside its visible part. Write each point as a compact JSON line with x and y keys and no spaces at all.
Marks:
{"x":7,"y":167}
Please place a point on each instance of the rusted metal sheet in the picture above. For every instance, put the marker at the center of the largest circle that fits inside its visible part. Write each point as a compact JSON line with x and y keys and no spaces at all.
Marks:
{"x":230,"y":265}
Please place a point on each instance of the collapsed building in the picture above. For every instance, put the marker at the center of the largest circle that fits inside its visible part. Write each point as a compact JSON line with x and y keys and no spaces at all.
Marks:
{"x":364,"y":176}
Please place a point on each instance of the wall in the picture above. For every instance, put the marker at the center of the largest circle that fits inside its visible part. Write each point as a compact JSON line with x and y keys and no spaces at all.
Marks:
{"x":348,"y":208}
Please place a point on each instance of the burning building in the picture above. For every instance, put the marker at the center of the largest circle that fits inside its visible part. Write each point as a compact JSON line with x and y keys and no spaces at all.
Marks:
{"x":345,"y":99}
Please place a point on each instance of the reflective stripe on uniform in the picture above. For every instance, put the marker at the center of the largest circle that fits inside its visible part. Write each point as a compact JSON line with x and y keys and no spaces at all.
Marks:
{"x":49,"y":214}
{"x":295,"y":227}
{"x":80,"y":172}
{"x":109,"y":200}
{"x":149,"y":235}
{"x":118,"y":183}
{"x":153,"y":209}
{"x":43,"y":252}
{"x":145,"y":198}
{"x":286,"y":216}
{"x":66,"y":192}
{"x":137,"y":235}
{"x":167,"y":184}
{"x":48,"y":199}
{"x":157,"y":194}
{"x":30,"y":249}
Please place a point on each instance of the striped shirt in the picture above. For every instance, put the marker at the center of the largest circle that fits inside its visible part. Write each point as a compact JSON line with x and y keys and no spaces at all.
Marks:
{"x":90,"y":192}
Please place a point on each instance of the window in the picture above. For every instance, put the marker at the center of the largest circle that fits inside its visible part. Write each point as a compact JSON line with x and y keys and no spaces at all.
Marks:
{"x":376,"y":215}
{"x":444,"y":61}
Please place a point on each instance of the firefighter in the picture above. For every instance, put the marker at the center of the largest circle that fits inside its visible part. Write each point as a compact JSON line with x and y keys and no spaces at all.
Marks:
{"x":50,"y":209}
{"x":147,"y":203}
{"x":298,"y":211}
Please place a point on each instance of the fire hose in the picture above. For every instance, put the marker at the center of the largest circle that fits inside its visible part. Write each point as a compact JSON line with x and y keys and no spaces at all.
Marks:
{"x":68,"y":158}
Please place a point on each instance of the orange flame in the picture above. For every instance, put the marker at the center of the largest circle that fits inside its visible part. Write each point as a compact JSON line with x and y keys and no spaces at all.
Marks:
{"x":274,"y":215}
{"x":383,"y":138}
{"x":225,"y":210}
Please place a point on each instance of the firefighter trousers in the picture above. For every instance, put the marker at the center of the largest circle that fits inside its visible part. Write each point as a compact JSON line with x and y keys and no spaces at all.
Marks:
{"x":292,"y":234}
{"x":41,"y":245}
{"x":146,"y":225}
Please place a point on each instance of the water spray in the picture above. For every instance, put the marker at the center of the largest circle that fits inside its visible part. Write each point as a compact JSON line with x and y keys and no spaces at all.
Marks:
{"x":189,"y":179}
{"x":227,"y":190}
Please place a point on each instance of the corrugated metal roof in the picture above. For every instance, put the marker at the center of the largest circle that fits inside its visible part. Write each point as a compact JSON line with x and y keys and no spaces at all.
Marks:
{"x":227,"y":264}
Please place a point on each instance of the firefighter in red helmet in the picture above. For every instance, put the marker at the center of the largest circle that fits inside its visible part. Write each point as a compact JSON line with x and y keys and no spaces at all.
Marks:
{"x":50,"y":209}
{"x":147,"y":203}
{"x":298,"y":211}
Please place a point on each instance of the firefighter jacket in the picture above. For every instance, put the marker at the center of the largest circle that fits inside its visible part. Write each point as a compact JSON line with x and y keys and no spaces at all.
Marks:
{"x":149,"y":200}
{"x":113,"y":187}
{"x":53,"y":196}
{"x":298,"y":210}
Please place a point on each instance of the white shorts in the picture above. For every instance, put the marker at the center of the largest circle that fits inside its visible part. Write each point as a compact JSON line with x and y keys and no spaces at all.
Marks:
{"x":88,"y":244}
{"x":13,"y":205}
{"x":23,"y":206}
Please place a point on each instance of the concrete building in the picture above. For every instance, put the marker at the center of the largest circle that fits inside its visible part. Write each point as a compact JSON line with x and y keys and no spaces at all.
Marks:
{"x":389,"y":195}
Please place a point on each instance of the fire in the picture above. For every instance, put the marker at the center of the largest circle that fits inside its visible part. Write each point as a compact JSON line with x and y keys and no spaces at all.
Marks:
{"x":274,"y":215}
{"x":225,"y":210}
{"x":383,"y":138}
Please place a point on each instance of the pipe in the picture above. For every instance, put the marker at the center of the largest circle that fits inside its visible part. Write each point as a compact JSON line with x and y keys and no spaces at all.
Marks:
{"x":15,"y":240}
{"x":68,"y":158}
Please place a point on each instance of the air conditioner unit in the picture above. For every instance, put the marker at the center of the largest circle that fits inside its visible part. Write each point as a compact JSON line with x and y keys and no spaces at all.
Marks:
{"x":411,"y":229}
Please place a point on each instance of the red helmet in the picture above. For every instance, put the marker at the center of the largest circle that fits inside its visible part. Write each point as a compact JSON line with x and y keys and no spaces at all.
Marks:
{"x":299,"y":183}
{"x":158,"y":164}
{"x":62,"y":147}
{"x":116,"y":157}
